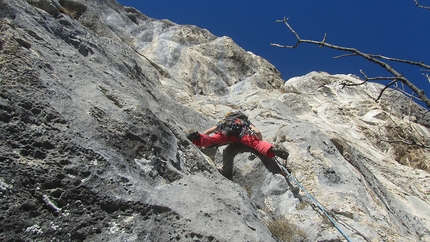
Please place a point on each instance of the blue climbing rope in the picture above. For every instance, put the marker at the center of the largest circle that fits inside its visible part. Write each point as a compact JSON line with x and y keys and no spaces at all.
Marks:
{"x":336,"y":225}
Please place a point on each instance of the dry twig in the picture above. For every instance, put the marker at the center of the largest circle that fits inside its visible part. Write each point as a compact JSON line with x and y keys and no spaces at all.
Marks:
{"x":396,"y":76}
{"x":421,"y":6}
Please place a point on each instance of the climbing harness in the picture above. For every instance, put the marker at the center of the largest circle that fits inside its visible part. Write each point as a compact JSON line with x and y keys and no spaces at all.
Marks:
{"x":323,"y":210}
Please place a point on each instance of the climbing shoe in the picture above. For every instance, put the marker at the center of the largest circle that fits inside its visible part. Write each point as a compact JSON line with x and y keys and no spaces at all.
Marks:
{"x":280,"y":153}
{"x":295,"y":190}
{"x":193,"y":135}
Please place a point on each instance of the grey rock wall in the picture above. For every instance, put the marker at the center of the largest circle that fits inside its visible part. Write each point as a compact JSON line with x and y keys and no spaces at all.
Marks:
{"x":95,"y":102}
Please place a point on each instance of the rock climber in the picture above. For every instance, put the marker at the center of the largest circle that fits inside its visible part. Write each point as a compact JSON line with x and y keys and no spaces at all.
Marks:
{"x":234,"y":128}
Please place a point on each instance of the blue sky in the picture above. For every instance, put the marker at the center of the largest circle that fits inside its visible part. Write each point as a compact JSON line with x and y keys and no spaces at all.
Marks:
{"x":395,"y":29}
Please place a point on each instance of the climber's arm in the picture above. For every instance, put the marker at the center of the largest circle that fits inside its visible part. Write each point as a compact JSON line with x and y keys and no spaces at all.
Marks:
{"x":210,"y":130}
{"x":256,"y":131}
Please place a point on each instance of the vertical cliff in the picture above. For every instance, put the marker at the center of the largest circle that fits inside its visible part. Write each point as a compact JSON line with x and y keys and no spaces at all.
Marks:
{"x":95,"y":102}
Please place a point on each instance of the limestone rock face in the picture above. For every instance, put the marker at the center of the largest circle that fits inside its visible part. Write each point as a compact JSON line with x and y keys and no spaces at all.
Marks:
{"x":95,"y":103}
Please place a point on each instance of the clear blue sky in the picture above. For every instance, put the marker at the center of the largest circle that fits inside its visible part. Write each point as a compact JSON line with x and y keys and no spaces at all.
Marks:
{"x":395,"y":29}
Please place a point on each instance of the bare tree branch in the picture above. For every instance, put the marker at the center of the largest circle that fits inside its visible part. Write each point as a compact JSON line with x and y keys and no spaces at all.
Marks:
{"x":421,"y":64}
{"x":372,"y":58}
{"x":385,"y":88}
{"x":416,"y":63}
{"x":393,"y":81}
{"x":366,"y":79}
{"x":421,"y":6}
{"x":409,"y":95}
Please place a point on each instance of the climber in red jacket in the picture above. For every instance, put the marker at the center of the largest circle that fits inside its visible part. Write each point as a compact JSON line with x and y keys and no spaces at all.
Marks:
{"x":235,"y":127}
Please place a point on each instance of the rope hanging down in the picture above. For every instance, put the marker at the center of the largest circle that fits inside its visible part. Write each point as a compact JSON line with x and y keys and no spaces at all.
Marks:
{"x":317,"y":203}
